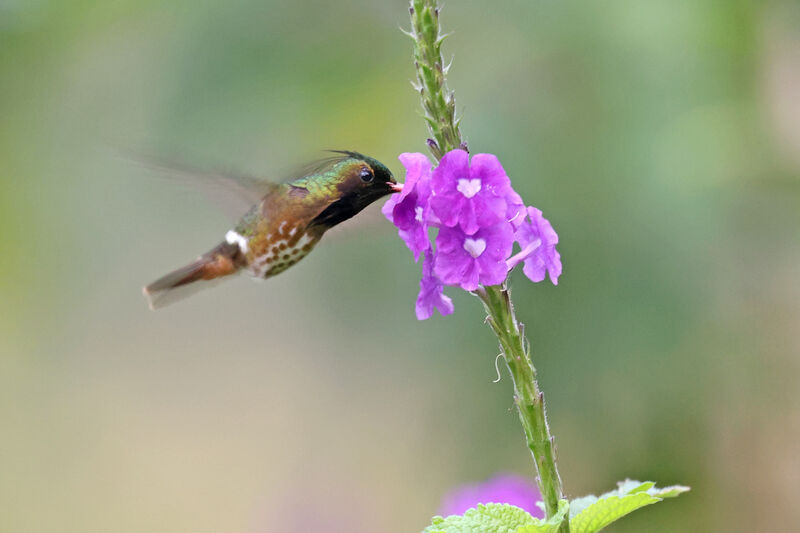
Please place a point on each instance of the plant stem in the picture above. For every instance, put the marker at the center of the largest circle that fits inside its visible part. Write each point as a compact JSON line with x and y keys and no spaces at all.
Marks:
{"x":439,"y":105}
{"x":527,"y":396}
{"x":438,"y":102}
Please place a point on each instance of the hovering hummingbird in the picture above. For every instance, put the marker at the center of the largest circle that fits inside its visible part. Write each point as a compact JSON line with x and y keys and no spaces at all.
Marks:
{"x":284,"y":224}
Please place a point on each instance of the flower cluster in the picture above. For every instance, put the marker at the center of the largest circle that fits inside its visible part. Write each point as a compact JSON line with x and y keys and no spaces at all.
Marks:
{"x":479,"y":217}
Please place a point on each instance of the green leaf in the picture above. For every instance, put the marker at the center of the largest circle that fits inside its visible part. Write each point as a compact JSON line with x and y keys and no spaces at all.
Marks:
{"x":548,"y":526}
{"x":579,"y":504}
{"x":630,"y":486}
{"x":607,"y":510}
{"x":497,"y":518}
{"x":591,"y":513}
{"x":669,"y":492}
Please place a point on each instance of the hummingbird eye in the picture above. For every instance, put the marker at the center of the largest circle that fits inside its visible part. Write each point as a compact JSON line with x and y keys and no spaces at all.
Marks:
{"x":366,"y":175}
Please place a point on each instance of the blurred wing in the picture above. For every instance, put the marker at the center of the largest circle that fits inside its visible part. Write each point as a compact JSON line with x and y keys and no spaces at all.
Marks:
{"x":234,"y":193}
{"x":324,"y":164}
{"x":316,"y":167}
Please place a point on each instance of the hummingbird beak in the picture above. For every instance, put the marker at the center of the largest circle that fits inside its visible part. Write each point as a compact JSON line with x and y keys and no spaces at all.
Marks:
{"x":396,"y":187}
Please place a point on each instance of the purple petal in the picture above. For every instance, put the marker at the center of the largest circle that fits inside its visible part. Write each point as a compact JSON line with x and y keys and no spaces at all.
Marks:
{"x":492,"y":263}
{"x":418,"y":171}
{"x":539,"y":259}
{"x":388,"y":207}
{"x":416,"y":239}
{"x":447,"y":208}
{"x":516,"y":208}
{"x":431,"y":294}
{"x":468,"y":217}
{"x":470,"y":195}
{"x":491,"y":210}
{"x":535,"y":269}
{"x":447,"y":202}
{"x":407,"y":209}
{"x":454,"y":267}
{"x":404,"y":213}
{"x":449,"y":239}
{"x":471,"y":279}
{"x":473,"y":260}
{"x":453,"y":165}
{"x":488,"y":169}
{"x":418,"y":168}
{"x":492,"y":272}
{"x":500,"y":240}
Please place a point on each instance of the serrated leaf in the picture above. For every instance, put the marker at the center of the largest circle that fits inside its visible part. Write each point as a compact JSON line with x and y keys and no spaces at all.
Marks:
{"x":494,"y":517}
{"x":630,"y":486}
{"x":498,"y":518}
{"x":607,"y":510}
{"x":669,"y":492}
{"x":591,"y":513}
{"x":548,"y":526}
{"x":579,"y":504}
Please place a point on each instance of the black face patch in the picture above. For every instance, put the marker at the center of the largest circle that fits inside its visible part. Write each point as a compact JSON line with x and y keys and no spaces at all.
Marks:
{"x":364,"y":181}
{"x":337,"y":212}
{"x":382,"y":174}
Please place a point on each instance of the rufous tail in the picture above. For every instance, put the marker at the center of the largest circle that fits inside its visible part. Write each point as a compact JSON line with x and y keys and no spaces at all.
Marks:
{"x":206,"y":271}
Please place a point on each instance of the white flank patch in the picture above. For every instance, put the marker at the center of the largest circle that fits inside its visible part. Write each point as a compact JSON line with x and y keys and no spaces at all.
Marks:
{"x":469,"y":188}
{"x":474,"y":247}
{"x":234,"y":238}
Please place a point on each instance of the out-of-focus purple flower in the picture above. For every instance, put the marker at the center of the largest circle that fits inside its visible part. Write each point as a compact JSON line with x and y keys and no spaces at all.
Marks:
{"x":409,"y":209}
{"x":502,"y":488}
{"x":538,"y":240}
{"x":470,"y":195}
{"x":472,"y":260}
{"x":431,"y":295}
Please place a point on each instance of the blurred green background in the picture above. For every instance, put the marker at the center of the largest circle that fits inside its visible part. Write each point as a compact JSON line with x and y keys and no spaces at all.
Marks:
{"x":661,"y":138}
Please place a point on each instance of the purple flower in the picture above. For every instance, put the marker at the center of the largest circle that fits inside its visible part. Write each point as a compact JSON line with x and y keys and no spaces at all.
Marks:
{"x":472,"y":260}
{"x":409,"y":209}
{"x":502,"y":488}
{"x":479,"y":216}
{"x":471,"y":196}
{"x":538,"y":240}
{"x":431,"y":292}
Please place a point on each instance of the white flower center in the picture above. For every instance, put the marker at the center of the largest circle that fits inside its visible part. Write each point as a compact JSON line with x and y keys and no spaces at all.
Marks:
{"x":474,"y":247}
{"x":418,"y":213}
{"x":469,"y":188}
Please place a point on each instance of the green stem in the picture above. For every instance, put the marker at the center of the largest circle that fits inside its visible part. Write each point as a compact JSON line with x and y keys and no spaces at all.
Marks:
{"x":438,"y":102}
{"x":527,"y":396}
{"x":440,"y":109}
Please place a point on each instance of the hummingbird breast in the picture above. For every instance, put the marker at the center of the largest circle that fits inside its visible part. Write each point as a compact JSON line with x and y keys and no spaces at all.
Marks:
{"x":273,"y":252}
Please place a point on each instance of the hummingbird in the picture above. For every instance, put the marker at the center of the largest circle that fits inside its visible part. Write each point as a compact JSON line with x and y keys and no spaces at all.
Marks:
{"x":283,"y":226}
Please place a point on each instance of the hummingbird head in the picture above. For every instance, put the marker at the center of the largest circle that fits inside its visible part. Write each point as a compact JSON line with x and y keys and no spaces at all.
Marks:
{"x":358,"y":180}
{"x":367,"y":177}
